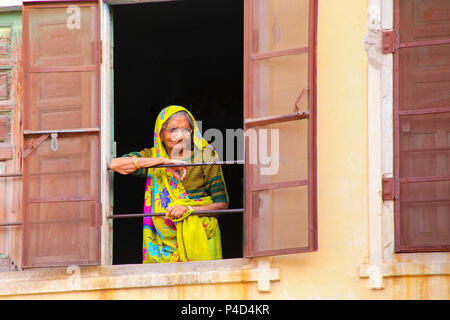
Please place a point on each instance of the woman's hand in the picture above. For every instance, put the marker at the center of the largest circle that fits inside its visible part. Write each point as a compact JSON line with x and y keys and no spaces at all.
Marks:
{"x":175,"y":212}
{"x":126,"y":165}
{"x":178,"y":172}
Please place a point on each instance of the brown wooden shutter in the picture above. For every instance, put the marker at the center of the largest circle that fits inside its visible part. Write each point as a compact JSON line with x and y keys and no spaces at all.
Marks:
{"x":280,"y":206}
{"x":422,"y":125}
{"x":61,"y":134}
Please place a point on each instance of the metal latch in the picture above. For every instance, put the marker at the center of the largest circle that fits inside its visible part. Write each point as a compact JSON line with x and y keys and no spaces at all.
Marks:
{"x":54,"y":141}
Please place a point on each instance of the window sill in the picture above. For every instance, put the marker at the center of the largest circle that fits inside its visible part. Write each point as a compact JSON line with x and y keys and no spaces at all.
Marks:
{"x":376,"y":273}
{"x":90,"y":278}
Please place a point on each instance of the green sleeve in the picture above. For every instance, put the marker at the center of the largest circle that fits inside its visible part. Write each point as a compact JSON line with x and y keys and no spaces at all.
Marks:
{"x":214,"y":181}
{"x":146,"y":153}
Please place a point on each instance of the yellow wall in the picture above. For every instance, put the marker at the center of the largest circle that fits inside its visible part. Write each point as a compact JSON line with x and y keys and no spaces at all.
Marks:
{"x":342,"y":163}
{"x":331,"y":272}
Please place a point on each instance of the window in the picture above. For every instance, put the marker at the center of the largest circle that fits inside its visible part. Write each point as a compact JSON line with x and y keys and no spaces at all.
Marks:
{"x":421,"y":125}
{"x":61,"y":218}
{"x":192,"y":56}
{"x":280,"y":91}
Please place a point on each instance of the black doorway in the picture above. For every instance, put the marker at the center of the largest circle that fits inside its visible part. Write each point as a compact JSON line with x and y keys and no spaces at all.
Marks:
{"x":187,"y":53}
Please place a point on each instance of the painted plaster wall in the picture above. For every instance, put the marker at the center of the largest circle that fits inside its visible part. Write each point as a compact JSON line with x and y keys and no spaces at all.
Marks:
{"x":332,"y":271}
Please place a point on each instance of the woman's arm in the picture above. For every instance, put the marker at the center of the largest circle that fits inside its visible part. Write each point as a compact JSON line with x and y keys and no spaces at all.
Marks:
{"x":212,"y":206}
{"x":127,"y":165}
{"x":178,"y":210}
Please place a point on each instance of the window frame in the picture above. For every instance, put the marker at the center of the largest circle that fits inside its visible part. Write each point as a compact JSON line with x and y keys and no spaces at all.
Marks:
{"x":249,"y":250}
{"x":397,"y":113}
{"x":382,"y":261}
{"x":107,"y":144}
{"x":95,"y":246}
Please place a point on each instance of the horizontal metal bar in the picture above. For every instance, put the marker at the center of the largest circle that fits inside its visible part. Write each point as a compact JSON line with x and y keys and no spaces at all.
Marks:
{"x":424,"y":179}
{"x":62,"y":199}
{"x":276,"y":119}
{"x":441,"y":149}
{"x":191,"y":164}
{"x":85,"y":68}
{"x":423,"y":43}
{"x":10,"y":224}
{"x":425,"y":202}
{"x":279,"y":185}
{"x":47,"y":222}
{"x":79,"y":130}
{"x":206,"y":212}
{"x":280,"y":53}
{"x":423,"y":111}
{"x":44,"y":173}
{"x":10,"y":175}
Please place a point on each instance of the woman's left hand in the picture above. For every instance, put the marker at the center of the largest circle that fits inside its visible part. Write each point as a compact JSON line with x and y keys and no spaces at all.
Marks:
{"x":176,"y":211}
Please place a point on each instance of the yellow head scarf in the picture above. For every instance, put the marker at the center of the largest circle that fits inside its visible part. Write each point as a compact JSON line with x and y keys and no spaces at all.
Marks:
{"x":190,"y":237}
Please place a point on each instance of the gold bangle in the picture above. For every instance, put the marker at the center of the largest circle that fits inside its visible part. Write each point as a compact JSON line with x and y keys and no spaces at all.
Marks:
{"x":136,"y":162}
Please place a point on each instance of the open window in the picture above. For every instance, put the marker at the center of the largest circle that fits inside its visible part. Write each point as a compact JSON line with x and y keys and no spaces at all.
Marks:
{"x":248,"y":64}
{"x":421,"y":125}
{"x":280,"y":121}
{"x":61,"y":198}
{"x":187,"y":53}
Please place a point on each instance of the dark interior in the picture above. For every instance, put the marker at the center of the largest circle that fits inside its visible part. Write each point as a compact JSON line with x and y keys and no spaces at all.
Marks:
{"x":187,"y":53}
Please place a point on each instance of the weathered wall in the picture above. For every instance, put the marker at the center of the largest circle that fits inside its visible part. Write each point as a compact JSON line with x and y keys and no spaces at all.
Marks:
{"x":332,"y":271}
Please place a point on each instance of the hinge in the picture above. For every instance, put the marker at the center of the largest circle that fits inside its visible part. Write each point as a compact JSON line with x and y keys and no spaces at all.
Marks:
{"x":388,"y":41}
{"x":388,"y":188}
{"x":100,"y":51}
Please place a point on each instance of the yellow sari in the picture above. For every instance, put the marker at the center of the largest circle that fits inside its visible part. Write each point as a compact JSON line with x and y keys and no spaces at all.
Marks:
{"x":189,"y":238}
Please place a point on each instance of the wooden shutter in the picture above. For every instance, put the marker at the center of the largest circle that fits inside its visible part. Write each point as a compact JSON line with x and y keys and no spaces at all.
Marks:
{"x":10,"y":135}
{"x":280,"y":198}
{"x":422,"y":125}
{"x":61,"y":134}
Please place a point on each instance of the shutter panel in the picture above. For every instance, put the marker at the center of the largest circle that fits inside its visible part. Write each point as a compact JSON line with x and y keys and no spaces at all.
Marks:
{"x":280,"y":126}
{"x":10,"y":133}
{"x":61,"y":121}
{"x":422,"y":125}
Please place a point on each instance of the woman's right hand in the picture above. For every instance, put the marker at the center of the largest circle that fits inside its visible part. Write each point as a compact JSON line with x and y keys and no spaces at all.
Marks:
{"x":178,"y":172}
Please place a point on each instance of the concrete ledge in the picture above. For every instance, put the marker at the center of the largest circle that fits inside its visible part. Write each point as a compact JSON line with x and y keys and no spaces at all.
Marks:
{"x":85,"y":278}
{"x":376,"y":273}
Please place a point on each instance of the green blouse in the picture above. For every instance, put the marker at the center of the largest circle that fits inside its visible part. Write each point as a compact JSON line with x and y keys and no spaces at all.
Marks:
{"x":200,"y":181}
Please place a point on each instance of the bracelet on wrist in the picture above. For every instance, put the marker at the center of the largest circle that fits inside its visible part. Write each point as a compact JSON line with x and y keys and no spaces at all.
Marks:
{"x":135,"y":161}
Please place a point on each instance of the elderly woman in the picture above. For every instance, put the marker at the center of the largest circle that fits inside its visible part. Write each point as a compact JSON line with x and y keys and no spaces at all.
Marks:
{"x":177,"y":191}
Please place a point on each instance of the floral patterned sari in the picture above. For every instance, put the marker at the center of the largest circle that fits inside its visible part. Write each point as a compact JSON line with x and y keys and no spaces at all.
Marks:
{"x":190,"y":237}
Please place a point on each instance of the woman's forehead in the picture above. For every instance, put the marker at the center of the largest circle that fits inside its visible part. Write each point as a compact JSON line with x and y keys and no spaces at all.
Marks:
{"x":178,"y":120}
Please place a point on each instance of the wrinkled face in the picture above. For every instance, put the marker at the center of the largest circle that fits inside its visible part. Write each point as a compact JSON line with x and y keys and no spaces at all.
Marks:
{"x":177,"y":133}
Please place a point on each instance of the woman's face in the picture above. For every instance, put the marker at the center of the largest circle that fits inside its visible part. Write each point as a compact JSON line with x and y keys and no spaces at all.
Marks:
{"x":177,"y":134}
